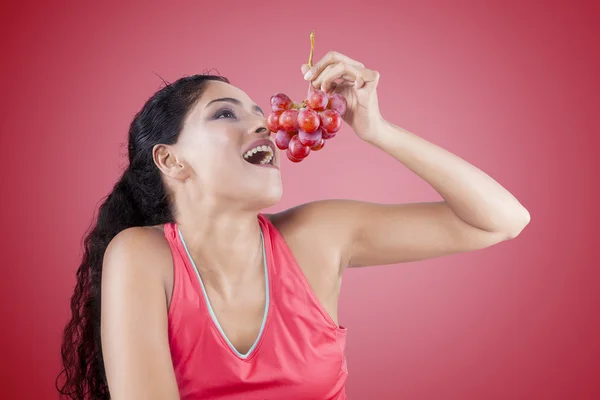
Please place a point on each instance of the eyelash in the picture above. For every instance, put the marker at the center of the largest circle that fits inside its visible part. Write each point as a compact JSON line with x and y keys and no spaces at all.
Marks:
{"x":223,"y":112}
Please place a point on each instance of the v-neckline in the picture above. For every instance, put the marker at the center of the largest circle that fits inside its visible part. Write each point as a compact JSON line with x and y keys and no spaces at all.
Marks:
{"x":210,"y":308}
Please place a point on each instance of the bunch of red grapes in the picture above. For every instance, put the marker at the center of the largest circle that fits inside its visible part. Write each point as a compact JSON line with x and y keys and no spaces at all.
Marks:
{"x":304,"y":127}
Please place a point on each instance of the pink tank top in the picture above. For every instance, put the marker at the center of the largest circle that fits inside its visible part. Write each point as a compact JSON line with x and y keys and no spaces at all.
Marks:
{"x":298,"y":354}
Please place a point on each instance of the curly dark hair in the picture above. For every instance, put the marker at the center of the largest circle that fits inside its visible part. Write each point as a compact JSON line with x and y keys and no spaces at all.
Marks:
{"x":139,"y":198}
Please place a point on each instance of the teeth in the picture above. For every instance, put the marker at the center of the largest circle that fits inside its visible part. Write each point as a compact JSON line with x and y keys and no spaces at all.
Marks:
{"x":265,"y":149}
{"x":255,"y":150}
{"x":267,"y":159}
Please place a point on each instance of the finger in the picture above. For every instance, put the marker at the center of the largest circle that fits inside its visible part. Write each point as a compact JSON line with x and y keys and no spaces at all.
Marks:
{"x":304,"y":68}
{"x":345,"y":81}
{"x":366,"y":76}
{"x":370,"y":75}
{"x":338,"y":71}
{"x":330,"y":58}
{"x":345,"y":77}
{"x":338,"y":83}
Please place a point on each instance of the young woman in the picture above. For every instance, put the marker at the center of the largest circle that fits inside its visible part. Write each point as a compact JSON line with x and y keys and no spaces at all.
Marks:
{"x":187,"y":291}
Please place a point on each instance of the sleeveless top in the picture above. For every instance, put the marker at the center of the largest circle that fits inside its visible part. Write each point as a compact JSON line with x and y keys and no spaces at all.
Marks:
{"x":298,"y":354}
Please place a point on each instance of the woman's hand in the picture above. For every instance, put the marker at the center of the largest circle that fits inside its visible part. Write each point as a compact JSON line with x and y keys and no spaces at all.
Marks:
{"x":340,"y":74}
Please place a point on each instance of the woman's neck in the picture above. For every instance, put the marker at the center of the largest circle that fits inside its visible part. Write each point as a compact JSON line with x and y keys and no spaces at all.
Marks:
{"x":225,"y":244}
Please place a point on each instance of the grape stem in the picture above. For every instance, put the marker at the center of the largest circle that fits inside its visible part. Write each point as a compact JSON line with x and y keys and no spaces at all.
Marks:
{"x":298,"y":106}
{"x":310,"y":57}
{"x":312,"y":49}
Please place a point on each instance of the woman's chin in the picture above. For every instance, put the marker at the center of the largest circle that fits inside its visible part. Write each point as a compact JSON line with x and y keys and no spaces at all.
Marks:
{"x":271,"y":195}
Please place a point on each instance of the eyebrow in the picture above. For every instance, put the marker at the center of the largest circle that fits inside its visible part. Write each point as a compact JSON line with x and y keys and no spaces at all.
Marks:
{"x":236,"y":102}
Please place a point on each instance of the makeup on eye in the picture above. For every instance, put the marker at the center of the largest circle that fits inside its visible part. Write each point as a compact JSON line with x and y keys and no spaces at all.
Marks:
{"x":236,"y":102}
{"x":225,"y":113}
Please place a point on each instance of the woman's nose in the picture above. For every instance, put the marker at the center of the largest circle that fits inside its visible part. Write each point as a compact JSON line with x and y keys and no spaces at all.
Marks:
{"x":261,"y":127}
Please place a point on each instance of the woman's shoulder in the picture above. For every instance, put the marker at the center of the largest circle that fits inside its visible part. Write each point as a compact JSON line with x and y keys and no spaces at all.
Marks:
{"x":139,"y":238}
{"x":313,"y":219}
{"x":311,"y":232}
{"x":140,"y":250}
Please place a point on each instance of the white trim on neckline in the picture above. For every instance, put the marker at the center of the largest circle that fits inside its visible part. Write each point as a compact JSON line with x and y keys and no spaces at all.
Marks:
{"x":211,"y":311}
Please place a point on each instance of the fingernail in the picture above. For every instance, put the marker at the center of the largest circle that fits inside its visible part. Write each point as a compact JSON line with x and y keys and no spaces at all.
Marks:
{"x":308,"y":75}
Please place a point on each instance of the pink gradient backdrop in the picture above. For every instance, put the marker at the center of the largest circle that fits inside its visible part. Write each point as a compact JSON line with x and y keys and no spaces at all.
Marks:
{"x":510,"y":86}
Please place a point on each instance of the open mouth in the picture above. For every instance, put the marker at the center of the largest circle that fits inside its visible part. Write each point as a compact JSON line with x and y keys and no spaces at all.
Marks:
{"x":260,"y":155}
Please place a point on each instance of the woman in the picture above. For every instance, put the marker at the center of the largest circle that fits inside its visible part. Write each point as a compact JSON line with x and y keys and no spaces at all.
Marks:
{"x":204,"y":297}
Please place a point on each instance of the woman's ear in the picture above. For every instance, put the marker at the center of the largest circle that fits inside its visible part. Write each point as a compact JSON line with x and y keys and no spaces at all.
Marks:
{"x":165,"y":158}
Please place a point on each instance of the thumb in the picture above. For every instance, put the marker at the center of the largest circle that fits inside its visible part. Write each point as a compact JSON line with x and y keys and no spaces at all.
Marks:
{"x":304,"y":69}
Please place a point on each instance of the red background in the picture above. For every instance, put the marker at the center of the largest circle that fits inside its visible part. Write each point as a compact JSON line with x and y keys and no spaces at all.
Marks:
{"x":512,"y":87}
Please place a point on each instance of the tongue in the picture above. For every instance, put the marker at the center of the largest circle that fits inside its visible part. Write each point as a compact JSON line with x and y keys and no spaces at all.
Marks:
{"x":256,"y":158}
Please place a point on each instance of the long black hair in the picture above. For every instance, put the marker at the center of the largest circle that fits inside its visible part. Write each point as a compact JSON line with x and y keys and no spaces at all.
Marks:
{"x":137,"y":199}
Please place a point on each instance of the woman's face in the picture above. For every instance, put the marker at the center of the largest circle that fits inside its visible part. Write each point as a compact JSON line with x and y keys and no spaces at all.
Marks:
{"x":226,"y":146}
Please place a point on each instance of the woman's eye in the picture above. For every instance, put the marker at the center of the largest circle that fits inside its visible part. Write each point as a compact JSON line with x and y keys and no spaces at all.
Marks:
{"x":225,"y":114}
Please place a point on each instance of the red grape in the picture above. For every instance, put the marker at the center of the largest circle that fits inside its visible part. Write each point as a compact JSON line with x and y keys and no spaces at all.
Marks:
{"x":297,"y":149}
{"x":280,"y":102}
{"x":338,"y":103}
{"x":330,"y":121}
{"x":308,"y":120}
{"x":282,"y":139}
{"x":317,"y":100}
{"x":327,"y":135}
{"x":289,"y":120}
{"x":273,"y":120}
{"x":319,"y":145}
{"x":310,"y":139}
{"x":291,"y":157}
